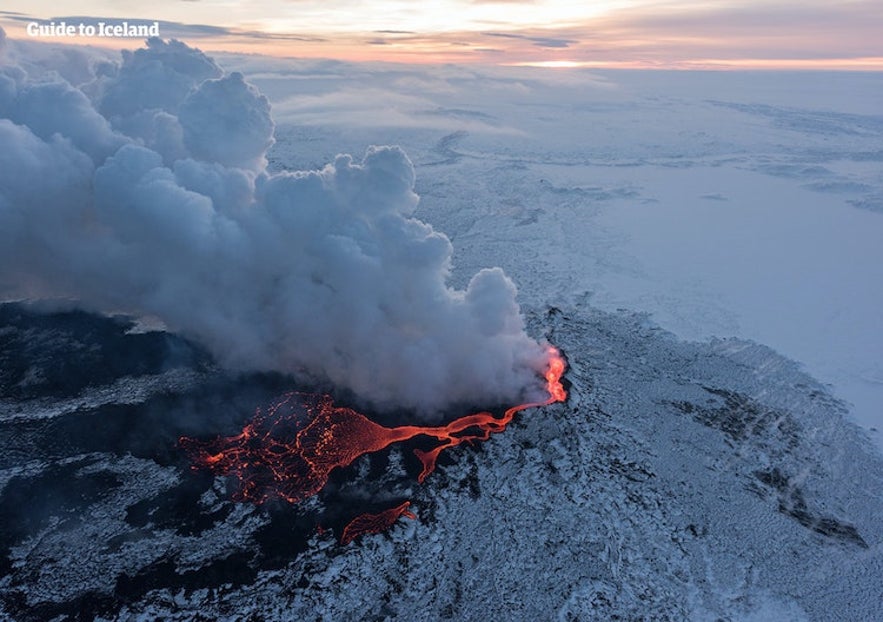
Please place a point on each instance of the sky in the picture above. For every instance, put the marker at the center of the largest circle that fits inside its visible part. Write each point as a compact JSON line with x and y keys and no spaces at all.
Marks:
{"x":811,"y":34}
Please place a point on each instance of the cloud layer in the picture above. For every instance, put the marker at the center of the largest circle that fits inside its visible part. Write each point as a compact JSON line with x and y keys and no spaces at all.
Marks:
{"x":628,"y":33}
{"x":145,"y":191}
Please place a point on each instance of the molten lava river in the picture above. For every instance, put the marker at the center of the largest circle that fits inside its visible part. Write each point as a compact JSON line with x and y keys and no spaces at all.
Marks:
{"x":282,"y":455}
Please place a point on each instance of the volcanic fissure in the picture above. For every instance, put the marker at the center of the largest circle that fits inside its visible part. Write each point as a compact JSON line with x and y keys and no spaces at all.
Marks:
{"x":290,"y":457}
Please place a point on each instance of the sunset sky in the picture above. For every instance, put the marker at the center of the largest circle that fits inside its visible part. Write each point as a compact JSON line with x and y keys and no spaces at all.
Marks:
{"x":615,"y":33}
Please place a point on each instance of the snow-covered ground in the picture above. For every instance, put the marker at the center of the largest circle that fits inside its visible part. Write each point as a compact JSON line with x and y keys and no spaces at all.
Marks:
{"x":705,"y":473}
{"x":724,"y":204}
{"x":681,"y":481}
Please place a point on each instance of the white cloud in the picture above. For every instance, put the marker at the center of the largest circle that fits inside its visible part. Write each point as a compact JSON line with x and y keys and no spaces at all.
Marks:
{"x":160,"y":205}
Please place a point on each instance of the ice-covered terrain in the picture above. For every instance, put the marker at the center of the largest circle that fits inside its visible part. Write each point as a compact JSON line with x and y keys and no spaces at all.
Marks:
{"x":723,"y":203}
{"x":704,"y":248}
{"x":681,"y":480}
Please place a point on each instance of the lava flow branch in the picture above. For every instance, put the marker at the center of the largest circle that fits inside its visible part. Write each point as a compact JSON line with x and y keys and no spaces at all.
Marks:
{"x":275,"y":455}
{"x":374,"y":523}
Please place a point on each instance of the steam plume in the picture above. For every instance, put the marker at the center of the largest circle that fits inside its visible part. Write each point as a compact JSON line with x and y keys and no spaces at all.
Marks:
{"x":146,"y":191}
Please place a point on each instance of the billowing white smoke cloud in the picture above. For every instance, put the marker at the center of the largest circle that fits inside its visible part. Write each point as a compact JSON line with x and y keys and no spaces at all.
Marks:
{"x":150,"y":196}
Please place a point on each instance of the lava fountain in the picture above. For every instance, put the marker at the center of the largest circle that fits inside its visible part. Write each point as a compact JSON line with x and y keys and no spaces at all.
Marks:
{"x":280,"y":454}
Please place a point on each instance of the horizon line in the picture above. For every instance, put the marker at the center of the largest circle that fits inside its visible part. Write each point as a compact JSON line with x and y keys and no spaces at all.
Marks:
{"x":354,"y":53}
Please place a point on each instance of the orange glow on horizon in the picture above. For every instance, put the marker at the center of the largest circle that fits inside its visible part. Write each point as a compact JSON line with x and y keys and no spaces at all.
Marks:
{"x":727,"y":64}
{"x":872,"y":63}
{"x":618,"y":52}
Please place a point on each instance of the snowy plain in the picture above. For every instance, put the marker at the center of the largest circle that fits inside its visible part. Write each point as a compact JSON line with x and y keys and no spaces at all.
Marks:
{"x":690,"y":475}
{"x":745,"y":204}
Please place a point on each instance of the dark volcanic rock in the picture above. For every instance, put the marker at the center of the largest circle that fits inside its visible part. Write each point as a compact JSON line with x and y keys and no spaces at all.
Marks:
{"x":680,"y":480}
{"x":59,"y":354}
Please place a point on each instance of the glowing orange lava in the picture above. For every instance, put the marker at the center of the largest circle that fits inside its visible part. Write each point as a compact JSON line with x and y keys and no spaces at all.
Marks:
{"x":275,"y":455}
{"x":374,"y":523}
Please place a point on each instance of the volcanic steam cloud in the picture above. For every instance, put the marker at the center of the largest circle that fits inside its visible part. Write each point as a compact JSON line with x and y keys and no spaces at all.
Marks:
{"x":140,"y":186}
